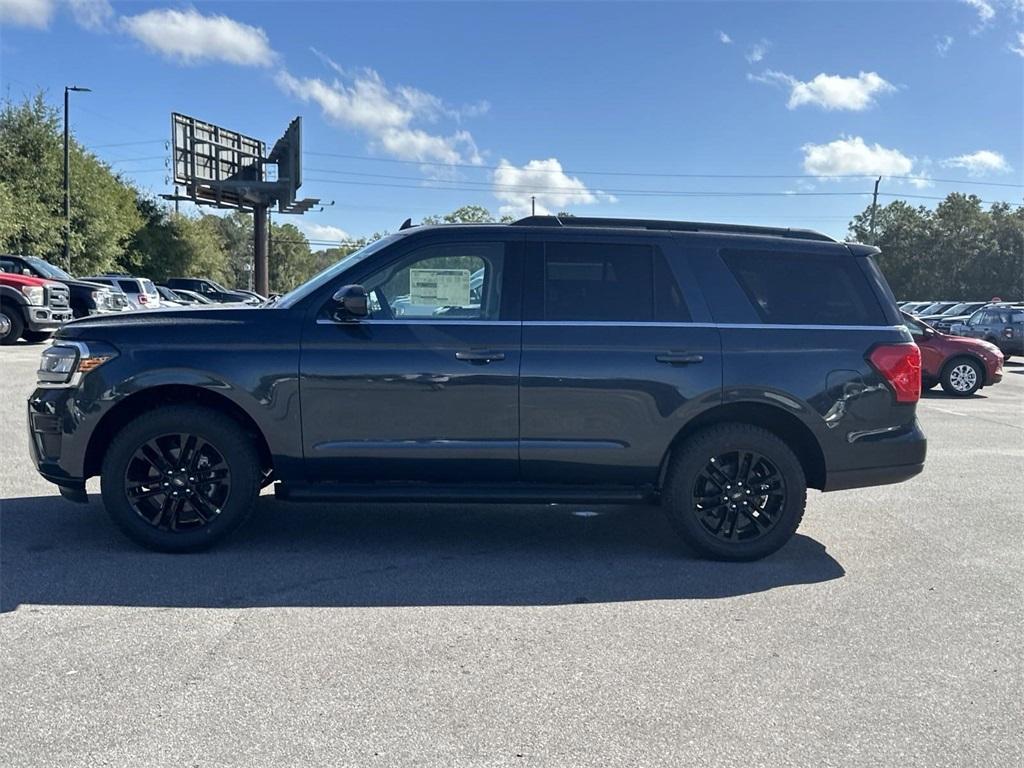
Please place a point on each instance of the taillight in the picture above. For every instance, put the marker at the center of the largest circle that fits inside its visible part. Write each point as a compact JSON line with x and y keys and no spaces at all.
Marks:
{"x":143,"y":298}
{"x":900,"y":364}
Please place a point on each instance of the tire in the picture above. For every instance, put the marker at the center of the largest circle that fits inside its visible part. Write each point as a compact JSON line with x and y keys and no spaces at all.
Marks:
{"x":962,"y":377}
{"x":691,"y":474}
{"x":173,"y":523}
{"x":35,"y":337}
{"x":12,"y":324}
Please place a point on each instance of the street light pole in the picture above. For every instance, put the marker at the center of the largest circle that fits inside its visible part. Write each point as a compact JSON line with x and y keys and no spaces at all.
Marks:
{"x":67,"y":177}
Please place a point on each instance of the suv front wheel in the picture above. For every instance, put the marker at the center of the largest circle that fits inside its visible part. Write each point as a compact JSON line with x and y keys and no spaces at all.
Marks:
{"x":180,"y":478}
{"x":735,"y":492}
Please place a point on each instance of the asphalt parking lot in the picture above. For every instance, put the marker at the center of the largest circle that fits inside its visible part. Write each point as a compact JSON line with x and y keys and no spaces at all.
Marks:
{"x":887,"y":633}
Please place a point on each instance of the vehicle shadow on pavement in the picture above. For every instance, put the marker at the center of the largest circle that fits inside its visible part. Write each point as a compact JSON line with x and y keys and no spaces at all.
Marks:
{"x":54,"y":552}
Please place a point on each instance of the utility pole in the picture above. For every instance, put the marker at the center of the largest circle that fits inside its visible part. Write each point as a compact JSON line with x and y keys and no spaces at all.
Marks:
{"x":67,"y":176}
{"x":533,"y":205}
{"x":874,"y":208}
{"x":259,"y":226}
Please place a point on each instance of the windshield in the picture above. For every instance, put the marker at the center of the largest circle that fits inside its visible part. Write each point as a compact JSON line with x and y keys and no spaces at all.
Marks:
{"x":326,"y":275}
{"x":959,"y":309}
{"x":46,"y":269}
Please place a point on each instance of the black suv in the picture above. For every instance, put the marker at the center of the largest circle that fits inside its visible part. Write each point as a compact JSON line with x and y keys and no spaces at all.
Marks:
{"x":720,"y":369}
{"x":86,"y":298}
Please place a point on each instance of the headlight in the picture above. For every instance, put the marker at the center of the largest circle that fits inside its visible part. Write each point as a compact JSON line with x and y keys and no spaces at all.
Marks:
{"x":33,"y":294}
{"x":101,"y":298}
{"x":66,"y":362}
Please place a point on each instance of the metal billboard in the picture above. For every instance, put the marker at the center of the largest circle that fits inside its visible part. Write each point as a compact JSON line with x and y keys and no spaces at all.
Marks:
{"x":216,"y":165}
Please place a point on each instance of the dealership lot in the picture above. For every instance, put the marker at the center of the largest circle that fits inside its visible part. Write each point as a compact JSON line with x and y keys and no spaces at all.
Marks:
{"x":886,"y":633}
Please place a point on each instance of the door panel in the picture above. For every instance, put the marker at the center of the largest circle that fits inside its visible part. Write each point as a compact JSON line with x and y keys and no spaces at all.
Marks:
{"x":384,"y":400}
{"x":426,"y":388}
{"x":598,"y":407}
{"x":613,"y":363}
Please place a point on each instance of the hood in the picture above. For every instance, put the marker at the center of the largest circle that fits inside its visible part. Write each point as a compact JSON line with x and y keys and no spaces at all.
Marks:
{"x":75,"y":283}
{"x":11,"y":278}
{"x":965,"y":343}
{"x":98,"y":326}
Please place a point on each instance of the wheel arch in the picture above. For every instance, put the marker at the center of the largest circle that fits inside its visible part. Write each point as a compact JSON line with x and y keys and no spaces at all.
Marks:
{"x":169,"y":394}
{"x":784,"y":425}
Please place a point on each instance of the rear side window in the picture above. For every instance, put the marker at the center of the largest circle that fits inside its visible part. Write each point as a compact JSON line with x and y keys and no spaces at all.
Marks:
{"x":805,"y":289}
{"x":609,"y":282}
{"x":148,"y":287}
{"x":128,"y":286}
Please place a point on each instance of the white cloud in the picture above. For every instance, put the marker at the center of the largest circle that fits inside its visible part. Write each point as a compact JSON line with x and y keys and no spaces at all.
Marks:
{"x":984,"y":9}
{"x":93,"y":15}
{"x":758,"y":51}
{"x":189,"y":37}
{"x":27,"y":13}
{"x":724,"y":38}
{"x":1019,"y":47}
{"x":979,"y":163}
{"x":849,"y":156}
{"x":943,"y":44}
{"x":322,"y":231}
{"x":544,"y":180}
{"x":387,"y":116}
{"x":830,"y":91}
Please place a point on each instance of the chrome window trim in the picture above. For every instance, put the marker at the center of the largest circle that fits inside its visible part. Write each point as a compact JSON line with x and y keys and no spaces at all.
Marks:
{"x":615,"y":324}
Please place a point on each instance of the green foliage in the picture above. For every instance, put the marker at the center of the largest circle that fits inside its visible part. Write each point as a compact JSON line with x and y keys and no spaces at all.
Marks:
{"x":104,"y":216}
{"x":170,"y":245}
{"x":957,"y":251}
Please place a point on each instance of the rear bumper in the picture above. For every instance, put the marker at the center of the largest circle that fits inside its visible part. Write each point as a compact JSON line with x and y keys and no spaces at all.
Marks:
{"x":862,"y":478}
{"x":879,"y":458}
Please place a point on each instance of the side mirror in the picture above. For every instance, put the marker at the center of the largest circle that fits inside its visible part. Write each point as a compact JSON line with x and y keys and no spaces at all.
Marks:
{"x":351,"y":302}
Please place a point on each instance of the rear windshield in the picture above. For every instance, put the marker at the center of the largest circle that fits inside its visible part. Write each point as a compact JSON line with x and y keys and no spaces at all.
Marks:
{"x":805,"y":289}
{"x":147,"y":286}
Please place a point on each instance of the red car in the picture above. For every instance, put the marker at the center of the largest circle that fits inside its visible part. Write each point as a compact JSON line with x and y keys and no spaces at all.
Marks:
{"x":960,"y":364}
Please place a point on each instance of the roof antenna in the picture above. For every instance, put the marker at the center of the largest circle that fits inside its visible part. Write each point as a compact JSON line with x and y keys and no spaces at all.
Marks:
{"x":407,"y":224}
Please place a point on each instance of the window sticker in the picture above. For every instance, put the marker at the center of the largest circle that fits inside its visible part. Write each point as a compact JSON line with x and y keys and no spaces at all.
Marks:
{"x":439,"y":287}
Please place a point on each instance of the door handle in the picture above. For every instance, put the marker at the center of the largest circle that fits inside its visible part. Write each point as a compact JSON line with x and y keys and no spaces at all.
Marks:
{"x":479,"y":355}
{"x":679,"y":358}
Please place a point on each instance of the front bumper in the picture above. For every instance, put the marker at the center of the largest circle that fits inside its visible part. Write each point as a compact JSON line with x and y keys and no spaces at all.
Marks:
{"x":45,"y":318}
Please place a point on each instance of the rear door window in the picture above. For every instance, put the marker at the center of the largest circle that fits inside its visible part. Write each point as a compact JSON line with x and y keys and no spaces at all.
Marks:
{"x":805,"y":289}
{"x":608,"y":282}
{"x":128,"y":286}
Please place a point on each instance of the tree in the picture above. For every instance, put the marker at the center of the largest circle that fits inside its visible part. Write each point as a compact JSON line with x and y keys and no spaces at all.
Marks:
{"x":104,"y":216}
{"x":172,"y":245}
{"x":959,"y":250}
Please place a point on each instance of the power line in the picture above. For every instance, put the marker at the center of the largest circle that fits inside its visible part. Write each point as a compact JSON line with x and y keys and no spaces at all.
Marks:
{"x":438,"y":164}
{"x":425,"y":184}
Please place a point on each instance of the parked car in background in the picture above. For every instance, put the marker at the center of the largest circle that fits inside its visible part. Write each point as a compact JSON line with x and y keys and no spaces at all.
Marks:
{"x":31,"y":308}
{"x":169,"y":298}
{"x":961,"y":365}
{"x":914,"y":306}
{"x":719,"y":369}
{"x":961,"y":308}
{"x":140,"y":291}
{"x":190,"y":297}
{"x":957,"y":314}
{"x":213,"y":290}
{"x":935,"y":308}
{"x":257,"y":299}
{"x":87,"y":298}
{"x":999,"y":324}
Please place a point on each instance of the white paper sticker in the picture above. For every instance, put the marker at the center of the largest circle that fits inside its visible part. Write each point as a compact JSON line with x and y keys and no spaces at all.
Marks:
{"x":439,"y":287}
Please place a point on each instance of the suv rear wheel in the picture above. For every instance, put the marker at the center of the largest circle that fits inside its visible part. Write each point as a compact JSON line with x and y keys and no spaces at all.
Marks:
{"x":180,"y":478}
{"x":735,"y":492}
{"x":962,"y":377}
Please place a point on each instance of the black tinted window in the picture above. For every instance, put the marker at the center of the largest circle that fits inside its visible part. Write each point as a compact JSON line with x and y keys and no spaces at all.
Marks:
{"x":805,"y":289}
{"x":594,"y":281}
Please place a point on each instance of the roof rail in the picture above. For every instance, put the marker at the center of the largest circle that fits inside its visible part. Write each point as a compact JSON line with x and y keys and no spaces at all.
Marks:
{"x":669,"y":226}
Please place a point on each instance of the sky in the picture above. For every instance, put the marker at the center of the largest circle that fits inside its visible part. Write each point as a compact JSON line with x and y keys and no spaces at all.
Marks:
{"x":770,"y":113}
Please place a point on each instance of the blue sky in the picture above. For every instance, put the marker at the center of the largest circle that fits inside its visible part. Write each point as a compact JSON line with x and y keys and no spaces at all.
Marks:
{"x":432,"y":106}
